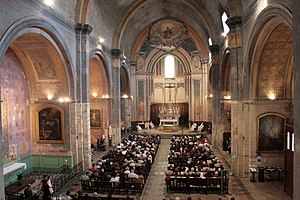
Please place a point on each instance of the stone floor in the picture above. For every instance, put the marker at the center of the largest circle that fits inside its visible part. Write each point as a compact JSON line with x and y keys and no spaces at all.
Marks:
{"x":241,"y":189}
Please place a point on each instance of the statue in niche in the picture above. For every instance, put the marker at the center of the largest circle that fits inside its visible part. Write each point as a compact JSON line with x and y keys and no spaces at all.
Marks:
{"x":141,"y":109}
{"x":197,"y":108}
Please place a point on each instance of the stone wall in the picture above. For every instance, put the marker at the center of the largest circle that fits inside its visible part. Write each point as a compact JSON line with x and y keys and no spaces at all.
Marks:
{"x":15,"y":109}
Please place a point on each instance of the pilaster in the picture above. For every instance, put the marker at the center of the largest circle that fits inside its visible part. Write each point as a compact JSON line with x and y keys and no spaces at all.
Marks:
{"x":239,"y":137}
{"x":2,"y":192}
{"x":217,"y":125}
{"x":133,"y":90}
{"x":116,"y":101}
{"x":82,"y":88}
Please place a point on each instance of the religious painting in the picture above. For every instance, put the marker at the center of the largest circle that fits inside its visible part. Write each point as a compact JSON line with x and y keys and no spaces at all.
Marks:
{"x":95,"y":116}
{"x":271,"y":133}
{"x":50,"y":125}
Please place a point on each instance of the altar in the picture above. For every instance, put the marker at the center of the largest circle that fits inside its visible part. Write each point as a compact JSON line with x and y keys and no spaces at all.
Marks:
{"x":169,"y":118}
{"x":13,"y":167}
{"x":169,"y":122}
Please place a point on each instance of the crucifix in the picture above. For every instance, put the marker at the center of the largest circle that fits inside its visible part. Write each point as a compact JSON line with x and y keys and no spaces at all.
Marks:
{"x":170,"y":86}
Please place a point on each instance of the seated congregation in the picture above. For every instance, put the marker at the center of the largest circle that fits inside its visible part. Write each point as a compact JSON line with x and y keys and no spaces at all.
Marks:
{"x":124,"y":169}
{"x":193,"y":167}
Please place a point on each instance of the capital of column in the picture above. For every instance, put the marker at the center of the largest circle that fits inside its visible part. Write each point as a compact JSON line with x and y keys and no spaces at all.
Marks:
{"x":86,"y":29}
{"x":133,"y":63}
{"x":116,"y":53}
{"x":78,"y":27}
{"x":214,"y":49}
{"x":234,"y":22}
{"x":83,"y":28}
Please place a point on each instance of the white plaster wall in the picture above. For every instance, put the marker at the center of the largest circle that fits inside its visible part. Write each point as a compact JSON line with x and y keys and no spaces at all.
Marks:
{"x":67,"y":8}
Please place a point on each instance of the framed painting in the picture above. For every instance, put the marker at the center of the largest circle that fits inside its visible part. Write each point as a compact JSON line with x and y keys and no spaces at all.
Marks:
{"x":50,"y":125}
{"x":271,"y":133}
{"x":95,"y":116}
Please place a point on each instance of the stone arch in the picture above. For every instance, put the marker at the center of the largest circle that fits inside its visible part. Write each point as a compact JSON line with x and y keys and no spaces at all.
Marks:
{"x":225,"y":73}
{"x":155,"y":55}
{"x":100,"y":89}
{"x":267,"y":20}
{"x":46,"y":68}
{"x":44,"y":27}
{"x":97,"y":54}
{"x":82,"y":9}
{"x":202,"y":13}
{"x":235,"y":7}
{"x":124,"y":80}
{"x":201,"y":44}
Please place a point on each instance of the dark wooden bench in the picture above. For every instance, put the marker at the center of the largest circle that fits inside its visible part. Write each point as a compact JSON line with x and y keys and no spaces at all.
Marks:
{"x":197,"y":184}
{"x":102,"y":198}
{"x":107,"y":187}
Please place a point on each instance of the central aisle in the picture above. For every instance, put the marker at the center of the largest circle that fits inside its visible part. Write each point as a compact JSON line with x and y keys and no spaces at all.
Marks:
{"x":155,"y":188}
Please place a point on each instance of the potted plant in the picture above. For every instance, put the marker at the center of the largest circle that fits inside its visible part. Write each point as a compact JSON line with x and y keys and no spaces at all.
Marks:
{"x":19,"y":178}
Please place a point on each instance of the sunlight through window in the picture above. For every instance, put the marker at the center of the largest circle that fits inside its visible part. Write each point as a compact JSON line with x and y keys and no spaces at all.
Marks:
{"x":169,"y":67}
{"x":226,"y":28}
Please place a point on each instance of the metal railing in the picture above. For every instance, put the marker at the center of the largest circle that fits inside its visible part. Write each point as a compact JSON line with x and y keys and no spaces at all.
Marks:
{"x":67,"y":174}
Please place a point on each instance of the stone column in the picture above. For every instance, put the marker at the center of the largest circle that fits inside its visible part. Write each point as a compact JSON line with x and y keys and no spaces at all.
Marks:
{"x":190,"y":96}
{"x":78,"y":148}
{"x":148,"y":99}
{"x":82,"y":108}
{"x":86,"y":30}
{"x":296,"y":101}
{"x":217,"y":124}
{"x":239,"y":114}
{"x":116,"y":109}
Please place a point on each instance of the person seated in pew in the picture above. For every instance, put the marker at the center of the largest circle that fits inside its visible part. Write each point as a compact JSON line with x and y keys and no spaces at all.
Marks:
{"x":85,"y":177}
{"x":132,"y":174}
{"x":115,"y":179}
{"x":28,"y":191}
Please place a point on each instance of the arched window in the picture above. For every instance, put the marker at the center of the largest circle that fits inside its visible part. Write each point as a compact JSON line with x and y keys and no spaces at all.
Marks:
{"x":169,"y":66}
{"x":225,"y":27}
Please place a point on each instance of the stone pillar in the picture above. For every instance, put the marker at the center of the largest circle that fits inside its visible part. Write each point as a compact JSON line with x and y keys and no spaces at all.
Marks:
{"x":86,"y":30}
{"x":217,"y":124}
{"x":148,"y":95}
{"x":133,"y":90}
{"x":239,"y":137}
{"x":189,"y":87}
{"x":2,"y":192}
{"x":116,"y":109}
{"x":296,"y":101}
{"x":82,"y":88}
{"x":205,"y":95}
{"x":78,"y":148}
